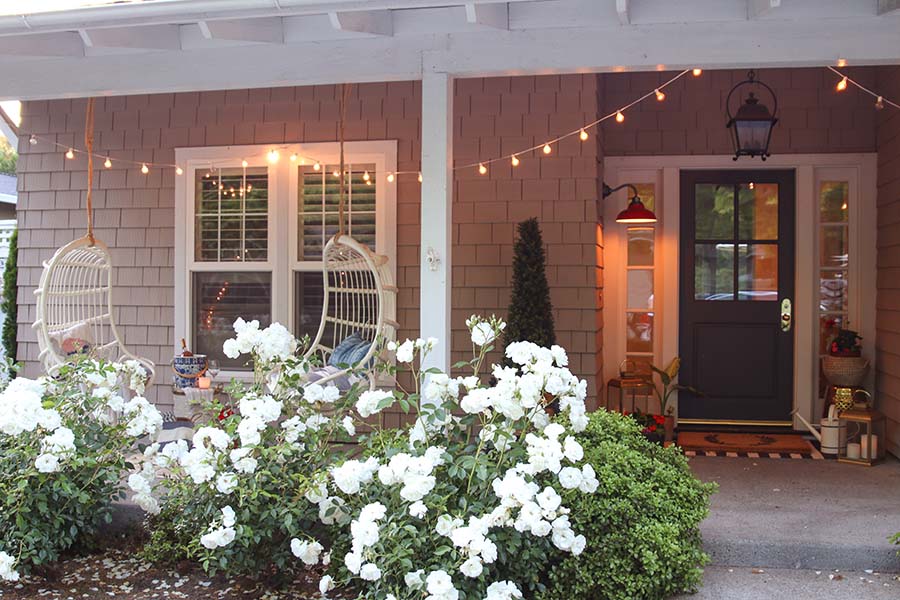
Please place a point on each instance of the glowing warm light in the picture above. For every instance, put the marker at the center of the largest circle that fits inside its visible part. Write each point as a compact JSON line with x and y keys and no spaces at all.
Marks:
{"x":481,"y":168}
{"x":844,"y":206}
{"x":619,"y":117}
{"x":273,"y":156}
{"x":842,"y":85}
{"x":879,"y":103}
{"x":145,"y":169}
{"x":366,"y":176}
{"x":245,"y":164}
{"x":336,"y":173}
{"x":697,"y":72}
{"x":317,"y":167}
{"x":180,"y":171}
{"x":293,"y":157}
{"x":420,"y":177}
{"x":107,"y":163}
{"x":32,"y":140}
{"x":515,"y":160}
{"x":70,"y":154}
{"x":547,"y":149}
{"x":390,"y":178}
{"x":842,"y":62}
{"x":751,"y":185}
{"x":583,"y":135}
{"x":659,"y":95}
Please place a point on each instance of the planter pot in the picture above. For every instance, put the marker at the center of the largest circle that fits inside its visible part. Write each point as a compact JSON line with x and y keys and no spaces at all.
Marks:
{"x":845,"y":371}
{"x":669,"y":429}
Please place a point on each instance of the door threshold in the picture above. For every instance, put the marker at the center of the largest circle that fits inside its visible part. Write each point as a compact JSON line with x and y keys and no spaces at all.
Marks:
{"x":732,"y":425}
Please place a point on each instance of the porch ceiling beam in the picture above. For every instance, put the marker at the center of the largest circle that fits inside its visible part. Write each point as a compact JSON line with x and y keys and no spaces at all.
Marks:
{"x":886,"y":7}
{"x":153,"y":37}
{"x":268,"y":30}
{"x":65,"y":44}
{"x":374,"y":22}
{"x":491,"y":15}
{"x":482,"y":52}
{"x":760,"y":8}
{"x":623,"y":11}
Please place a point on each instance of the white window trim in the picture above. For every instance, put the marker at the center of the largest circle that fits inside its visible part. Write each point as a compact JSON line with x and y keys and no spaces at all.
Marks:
{"x":810,"y":169}
{"x":283,"y":202}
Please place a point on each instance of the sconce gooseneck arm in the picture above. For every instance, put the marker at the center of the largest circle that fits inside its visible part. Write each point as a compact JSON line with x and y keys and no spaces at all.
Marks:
{"x":608,"y":190}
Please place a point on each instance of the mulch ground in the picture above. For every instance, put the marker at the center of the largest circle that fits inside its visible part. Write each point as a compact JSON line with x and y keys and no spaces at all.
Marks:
{"x":120,"y":573}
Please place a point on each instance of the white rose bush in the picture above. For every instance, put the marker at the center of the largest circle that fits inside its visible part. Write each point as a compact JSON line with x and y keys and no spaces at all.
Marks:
{"x":63,"y":447}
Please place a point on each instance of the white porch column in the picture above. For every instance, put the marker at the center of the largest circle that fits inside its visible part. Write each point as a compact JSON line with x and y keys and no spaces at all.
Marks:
{"x":437,"y":221}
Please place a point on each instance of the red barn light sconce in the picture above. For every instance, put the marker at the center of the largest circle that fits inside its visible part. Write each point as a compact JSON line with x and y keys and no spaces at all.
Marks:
{"x":751,"y":126}
{"x":636,"y":212}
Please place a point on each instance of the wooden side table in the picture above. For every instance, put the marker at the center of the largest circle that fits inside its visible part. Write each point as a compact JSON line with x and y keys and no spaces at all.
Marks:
{"x":635,"y":386}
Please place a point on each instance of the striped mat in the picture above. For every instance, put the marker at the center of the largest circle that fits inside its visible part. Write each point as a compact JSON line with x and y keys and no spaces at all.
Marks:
{"x":747,"y":445}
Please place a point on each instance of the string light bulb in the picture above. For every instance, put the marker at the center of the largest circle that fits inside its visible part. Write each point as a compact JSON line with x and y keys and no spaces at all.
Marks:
{"x":390,"y":177}
{"x":697,"y":72}
{"x":515,"y":160}
{"x":420,"y":176}
{"x":180,"y":171}
{"x":842,"y":85}
{"x":245,"y":164}
{"x":583,"y":135}
{"x":842,"y":62}
{"x":70,"y":154}
{"x":366,"y":176}
{"x":293,"y":157}
{"x":32,"y":140}
{"x":659,"y":95}
{"x":317,"y":166}
{"x":273,"y":156}
{"x":336,"y":173}
{"x":145,"y":169}
{"x":107,"y":163}
{"x":482,"y":169}
{"x":879,"y":103}
{"x":547,"y":149}
{"x":619,"y":117}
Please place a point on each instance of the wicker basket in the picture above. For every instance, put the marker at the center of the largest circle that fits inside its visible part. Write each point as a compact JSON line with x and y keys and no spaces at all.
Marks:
{"x":845,"y":371}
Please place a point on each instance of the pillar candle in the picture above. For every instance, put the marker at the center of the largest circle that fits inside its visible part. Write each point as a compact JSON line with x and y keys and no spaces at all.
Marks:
{"x":853,"y":451}
{"x":865,"y":448}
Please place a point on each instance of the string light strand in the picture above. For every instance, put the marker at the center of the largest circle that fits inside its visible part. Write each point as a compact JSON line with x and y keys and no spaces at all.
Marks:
{"x":880,"y":100}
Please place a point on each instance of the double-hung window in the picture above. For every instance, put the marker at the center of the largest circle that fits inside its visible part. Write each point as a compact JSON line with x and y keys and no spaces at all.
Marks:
{"x":251,"y":225}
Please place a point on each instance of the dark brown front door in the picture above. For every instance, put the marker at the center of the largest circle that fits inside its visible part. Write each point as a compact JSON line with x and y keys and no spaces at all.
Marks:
{"x":737,"y":271}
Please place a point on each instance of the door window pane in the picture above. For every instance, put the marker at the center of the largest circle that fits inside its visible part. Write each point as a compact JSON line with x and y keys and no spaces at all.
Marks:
{"x":640,"y":288}
{"x":639,"y":332}
{"x":758,"y":272}
{"x":833,"y":291}
{"x":833,"y":201}
{"x":714,"y":271}
{"x":714,"y":211}
{"x":231,"y":215}
{"x":758,"y":211}
{"x":218,"y":300}
{"x":640,"y":246}
{"x":833,"y":246}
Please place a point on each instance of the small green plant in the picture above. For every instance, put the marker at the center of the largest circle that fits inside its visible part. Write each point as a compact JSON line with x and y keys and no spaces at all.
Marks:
{"x":895,"y":539}
{"x":667,"y":385}
{"x":9,"y":304}
{"x":642,"y":524}
{"x":530,"y":315}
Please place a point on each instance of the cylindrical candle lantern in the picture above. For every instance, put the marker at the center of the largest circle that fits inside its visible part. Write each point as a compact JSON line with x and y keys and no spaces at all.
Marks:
{"x":865,"y":448}
{"x":853,"y":451}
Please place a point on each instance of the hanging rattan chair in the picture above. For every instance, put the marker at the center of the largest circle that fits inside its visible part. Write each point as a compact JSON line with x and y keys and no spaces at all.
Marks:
{"x":359,"y":297}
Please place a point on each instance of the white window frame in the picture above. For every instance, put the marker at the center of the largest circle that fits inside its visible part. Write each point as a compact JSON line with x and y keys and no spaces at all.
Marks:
{"x":858,"y":168}
{"x":283,"y":202}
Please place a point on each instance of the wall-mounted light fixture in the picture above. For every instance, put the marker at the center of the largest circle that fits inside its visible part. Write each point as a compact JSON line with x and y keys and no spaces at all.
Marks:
{"x":636,"y":212}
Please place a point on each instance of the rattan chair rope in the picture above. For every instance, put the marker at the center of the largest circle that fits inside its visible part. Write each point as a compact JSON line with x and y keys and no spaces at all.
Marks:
{"x":75,"y":293}
{"x":359,"y":292}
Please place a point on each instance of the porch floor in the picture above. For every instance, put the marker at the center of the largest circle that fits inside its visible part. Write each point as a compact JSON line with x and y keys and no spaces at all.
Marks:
{"x":802,"y":514}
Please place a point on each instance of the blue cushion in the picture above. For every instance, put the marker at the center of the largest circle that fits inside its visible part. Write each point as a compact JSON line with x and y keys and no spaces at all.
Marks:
{"x":359,"y":352}
{"x":341,"y":354}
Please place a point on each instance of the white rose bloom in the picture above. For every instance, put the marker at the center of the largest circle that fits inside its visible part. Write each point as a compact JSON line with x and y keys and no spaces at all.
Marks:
{"x":353,"y":562}
{"x":326,"y":584}
{"x":503,"y":590}
{"x":138,"y":484}
{"x":349,"y":427}
{"x":218,"y":538}
{"x":216,"y":437}
{"x":242,"y":461}
{"x":440,"y":586}
{"x":414,"y":579}
{"x":368,"y":402}
{"x":7,"y":570}
{"x":549,"y":500}
{"x":418,"y":510}
{"x":472,"y":567}
{"x":578,"y":545}
{"x":370,"y":572}
{"x":333,"y":510}
{"x":231,"y":348}
{"x":226,"y":482}
{"x":406,"y":351}
{"x":47,"y":463}
{"x":306,"y":551}
{"x":570,"y":478}
{"x":228,"y":516}
{"x":147,"y":503}
{"x":483,"y":334}
{"x":248,"y":430}
{"x":317,"y":493}
{"x":572,"y":449}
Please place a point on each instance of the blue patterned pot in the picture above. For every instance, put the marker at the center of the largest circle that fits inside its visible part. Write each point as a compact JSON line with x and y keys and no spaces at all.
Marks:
{"x":187,"y":369}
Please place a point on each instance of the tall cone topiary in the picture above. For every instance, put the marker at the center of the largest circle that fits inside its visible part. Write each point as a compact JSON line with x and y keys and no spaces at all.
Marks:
{"x":530,"y":315}
{"x":10,"y":306}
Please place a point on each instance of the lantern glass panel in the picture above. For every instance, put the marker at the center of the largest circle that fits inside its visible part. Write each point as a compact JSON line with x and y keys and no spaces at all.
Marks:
{"x":753,"y":136}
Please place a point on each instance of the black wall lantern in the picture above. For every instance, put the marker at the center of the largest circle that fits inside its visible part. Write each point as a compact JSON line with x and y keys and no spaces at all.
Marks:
{"x":751,"y":127}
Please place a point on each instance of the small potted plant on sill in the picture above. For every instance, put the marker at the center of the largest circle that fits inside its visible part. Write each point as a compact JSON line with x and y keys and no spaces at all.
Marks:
{"x":844,"y":365}
{"x":663,"y":392}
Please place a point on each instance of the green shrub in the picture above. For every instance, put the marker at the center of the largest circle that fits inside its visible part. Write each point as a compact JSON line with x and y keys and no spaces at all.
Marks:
{"x":10,"y":304}
{"x":641,"y":524}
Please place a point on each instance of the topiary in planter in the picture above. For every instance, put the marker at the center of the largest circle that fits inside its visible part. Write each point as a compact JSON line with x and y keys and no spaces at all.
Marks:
{"x":530,"y":315}
{"x":642,"y":524}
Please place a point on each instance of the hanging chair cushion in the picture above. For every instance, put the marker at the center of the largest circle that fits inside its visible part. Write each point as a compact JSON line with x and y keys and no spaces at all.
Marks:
{"x":77,"y":339}
{"x":344,"y":352}
{"x":342,"y":382}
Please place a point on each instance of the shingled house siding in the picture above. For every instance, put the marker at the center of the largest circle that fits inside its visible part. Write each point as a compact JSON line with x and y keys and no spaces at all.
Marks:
{"x":887,"y":316}
{"x":134,"y":213}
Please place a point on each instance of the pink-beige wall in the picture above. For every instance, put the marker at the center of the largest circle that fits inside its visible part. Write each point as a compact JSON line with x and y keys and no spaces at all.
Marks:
{"x":134,"y":213}
{"x":812,"y":116}
{"x":887,"y":316}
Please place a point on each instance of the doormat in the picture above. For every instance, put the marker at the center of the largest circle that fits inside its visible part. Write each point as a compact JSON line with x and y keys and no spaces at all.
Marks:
{"x":747,"y":445}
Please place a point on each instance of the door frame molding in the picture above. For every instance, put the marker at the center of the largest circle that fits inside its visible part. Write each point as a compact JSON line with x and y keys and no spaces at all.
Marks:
{"x":861,"y":168}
